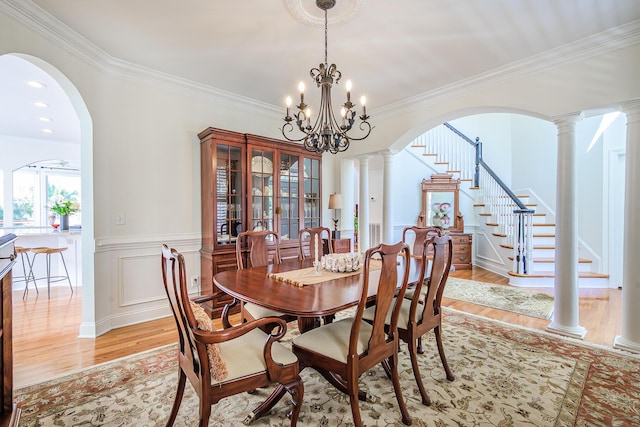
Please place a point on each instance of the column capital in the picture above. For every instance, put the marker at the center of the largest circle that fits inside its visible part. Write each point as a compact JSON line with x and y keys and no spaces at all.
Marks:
{"x":569,"y":119}
{"x":632,"y":109}
{"x":389,"y":153}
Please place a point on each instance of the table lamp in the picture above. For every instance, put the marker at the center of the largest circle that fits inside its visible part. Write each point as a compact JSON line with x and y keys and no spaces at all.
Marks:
{"x":335,"y":202}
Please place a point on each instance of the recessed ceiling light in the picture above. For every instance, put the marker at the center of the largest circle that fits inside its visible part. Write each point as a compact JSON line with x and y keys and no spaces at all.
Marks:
{"x":45,"y":119}
{"x":36,"y":84}
{"x":47,"y":130}
{"x":41,"y":104}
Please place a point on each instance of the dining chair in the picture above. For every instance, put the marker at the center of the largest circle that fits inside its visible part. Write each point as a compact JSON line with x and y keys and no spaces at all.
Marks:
{"x":226,"y":362}
{"x":344,"y":350}
{"x":263,"y":249}
{"x":306,"y":242}
{"x":423,"y":312}
{"x":420,"y":235}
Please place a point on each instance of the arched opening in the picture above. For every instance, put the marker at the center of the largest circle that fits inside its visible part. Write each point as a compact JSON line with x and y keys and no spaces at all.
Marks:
{"x":75,"y":113}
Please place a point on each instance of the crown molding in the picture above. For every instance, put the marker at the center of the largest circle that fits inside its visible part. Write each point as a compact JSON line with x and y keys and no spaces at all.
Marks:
{"x":612,"y":39}
{"x":51,"y":28}
{"x":48,"y":26}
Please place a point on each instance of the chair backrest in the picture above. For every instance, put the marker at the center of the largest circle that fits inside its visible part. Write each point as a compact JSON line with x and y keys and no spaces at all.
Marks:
{"x":420,"y":236}
{"x":380,"y":341}
{"x":306,"y":242}
{"x":264,"y":248}
{"x":428,"y":293}
{"x":175,"y":285}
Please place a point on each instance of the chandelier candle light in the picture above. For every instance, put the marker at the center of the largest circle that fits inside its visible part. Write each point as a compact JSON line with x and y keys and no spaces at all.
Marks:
{"x":326,"y":134}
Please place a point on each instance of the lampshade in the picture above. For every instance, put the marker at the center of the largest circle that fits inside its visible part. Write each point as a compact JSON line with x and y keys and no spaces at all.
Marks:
{"x":335,"y":201}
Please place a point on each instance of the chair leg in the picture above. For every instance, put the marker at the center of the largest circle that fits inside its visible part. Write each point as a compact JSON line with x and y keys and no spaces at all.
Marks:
{"x":416,"y":373}
{"x":66,"y":271}
{"x":406,"y":418}
{"x":48,"y":276}
{"x":443,"y":358}
{"x":205,"y":413}
{"x":266,"y":405}
{"x":420,"y":348}
{"x":352,"y":389}
{"x":296,"y":390}
{"x":182,"y":379}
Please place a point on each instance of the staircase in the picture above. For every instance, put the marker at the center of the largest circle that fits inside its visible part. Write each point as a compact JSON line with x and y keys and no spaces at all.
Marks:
{"x":517,"y":232}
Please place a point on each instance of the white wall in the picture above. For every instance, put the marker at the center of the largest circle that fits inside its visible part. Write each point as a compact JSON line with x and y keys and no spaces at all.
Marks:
{"x":144,"y":154}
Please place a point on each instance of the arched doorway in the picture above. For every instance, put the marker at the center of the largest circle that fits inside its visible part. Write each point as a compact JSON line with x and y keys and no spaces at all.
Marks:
{"x":77,"y":114}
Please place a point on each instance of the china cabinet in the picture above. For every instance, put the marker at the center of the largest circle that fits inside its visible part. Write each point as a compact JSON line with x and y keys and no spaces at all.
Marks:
{"x":441,"y":207}
{"x":251,"y":182}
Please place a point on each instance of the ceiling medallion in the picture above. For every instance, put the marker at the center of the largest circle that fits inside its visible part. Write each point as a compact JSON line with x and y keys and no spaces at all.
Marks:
{"x":306,"y":12}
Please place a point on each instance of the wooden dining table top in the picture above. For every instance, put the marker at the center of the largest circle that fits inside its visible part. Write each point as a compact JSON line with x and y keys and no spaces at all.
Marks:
{"x":254,"y":285}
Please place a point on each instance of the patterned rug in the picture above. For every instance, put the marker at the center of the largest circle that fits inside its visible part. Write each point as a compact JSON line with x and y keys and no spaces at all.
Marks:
{"x":505,"y":376}
{"x":508,"y":298}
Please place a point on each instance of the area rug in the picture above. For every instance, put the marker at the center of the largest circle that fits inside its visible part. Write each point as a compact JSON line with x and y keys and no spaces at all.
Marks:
{"x":505,"y":376}
{"x":502,"y":297}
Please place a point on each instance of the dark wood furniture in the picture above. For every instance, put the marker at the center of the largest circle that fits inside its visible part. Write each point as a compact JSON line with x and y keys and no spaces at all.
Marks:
{"x":243,"y":374}
{"x":263,"y":249}
{"x":307,"y":242}
{"x":344,"y":350}
{"x":250,"y":182}
{"x":9,"y":411}
{"x":441,"y":207}
{"x":425,"y":312}
{"x":309,"y":302}
{"x":420,"y":236}
{"x":341,"y":246}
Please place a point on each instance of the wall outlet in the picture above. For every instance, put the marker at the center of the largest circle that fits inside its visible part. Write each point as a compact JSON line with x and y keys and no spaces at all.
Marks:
{"x":195,"y":282}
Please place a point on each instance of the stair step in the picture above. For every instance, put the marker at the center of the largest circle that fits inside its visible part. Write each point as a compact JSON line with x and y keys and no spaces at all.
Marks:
{"x":534,"y":247}
{"x":430,"y":154}
{"x":474,"y":188}
{"x":544,"y":235}
{"x":478,"y":205}
{"x":419,"y":146}
{"x":582,"y":275}
{"x":468,"y":180}
{"x":549,"y":260}
{"x":440,"y":163}
{"x":543,"y":224}
{"x":484,"y":214}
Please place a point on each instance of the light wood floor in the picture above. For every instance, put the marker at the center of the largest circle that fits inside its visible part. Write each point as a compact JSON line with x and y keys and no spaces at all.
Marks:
{"x":46,"y":343}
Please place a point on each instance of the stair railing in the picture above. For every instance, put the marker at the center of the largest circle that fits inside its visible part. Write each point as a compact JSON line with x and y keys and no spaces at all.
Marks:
{"x":513,"y":219}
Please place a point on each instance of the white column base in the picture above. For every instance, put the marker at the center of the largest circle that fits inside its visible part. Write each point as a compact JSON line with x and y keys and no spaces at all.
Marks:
{"x":622,"y":344}
{"x":574,"y":332}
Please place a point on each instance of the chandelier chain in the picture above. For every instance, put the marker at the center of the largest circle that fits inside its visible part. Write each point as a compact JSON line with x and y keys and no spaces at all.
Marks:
{"x":326,"y":133}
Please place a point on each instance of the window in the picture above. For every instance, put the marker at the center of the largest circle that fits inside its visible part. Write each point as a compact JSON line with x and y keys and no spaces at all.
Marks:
{"x":38,"y":186}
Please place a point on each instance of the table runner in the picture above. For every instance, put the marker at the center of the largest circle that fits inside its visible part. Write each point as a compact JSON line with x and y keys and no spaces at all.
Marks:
{"x":307,"y":276}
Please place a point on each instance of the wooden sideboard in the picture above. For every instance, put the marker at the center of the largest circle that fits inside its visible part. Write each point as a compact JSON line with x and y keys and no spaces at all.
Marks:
{"x":341,"y":246}
{"x":9,"y":412}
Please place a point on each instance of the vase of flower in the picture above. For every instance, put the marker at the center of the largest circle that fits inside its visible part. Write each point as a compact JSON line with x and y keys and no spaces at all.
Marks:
{"x":64,"y":208}
{"x":64,"y":222}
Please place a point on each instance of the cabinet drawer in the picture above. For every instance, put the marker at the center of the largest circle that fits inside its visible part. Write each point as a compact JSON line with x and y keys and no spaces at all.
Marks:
{"x":460,"y":239}
{"x":341,"y":246}
{"x":461,"y":249}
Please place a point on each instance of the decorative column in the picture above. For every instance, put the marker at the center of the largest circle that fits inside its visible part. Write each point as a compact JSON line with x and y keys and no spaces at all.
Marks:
{"x":346,"y":188}
{"x":630,"y":338}
{"x":387,"y":199}
{"x":363,"y":219}
{"x":567,"y":298}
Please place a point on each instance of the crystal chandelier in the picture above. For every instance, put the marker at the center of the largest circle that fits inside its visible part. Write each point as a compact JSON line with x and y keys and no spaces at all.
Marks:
{"x":325,"y":133}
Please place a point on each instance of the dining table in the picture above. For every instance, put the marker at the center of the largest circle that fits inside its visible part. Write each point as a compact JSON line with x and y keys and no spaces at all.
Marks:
{"x":295,"y":288}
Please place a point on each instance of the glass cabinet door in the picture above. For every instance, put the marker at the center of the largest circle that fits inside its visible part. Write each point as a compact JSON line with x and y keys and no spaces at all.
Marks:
{"x":311,"y":181}
{"x":228,"y":193}
{"x":289,"y":196}
{"x":261,"y":183}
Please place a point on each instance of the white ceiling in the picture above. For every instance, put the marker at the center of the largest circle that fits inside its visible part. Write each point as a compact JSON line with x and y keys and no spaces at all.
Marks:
{"x":391,"y":50}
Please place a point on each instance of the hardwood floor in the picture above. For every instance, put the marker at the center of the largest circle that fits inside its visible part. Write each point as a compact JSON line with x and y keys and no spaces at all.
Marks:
{"x":46,"y":343}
